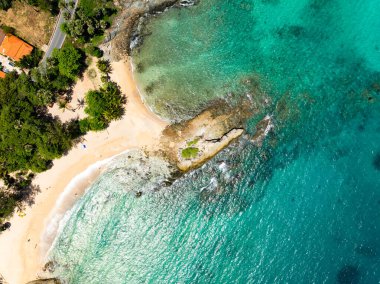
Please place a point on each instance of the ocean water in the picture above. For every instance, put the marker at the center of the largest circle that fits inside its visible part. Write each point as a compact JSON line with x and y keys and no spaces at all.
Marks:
{"x":303,"y":208}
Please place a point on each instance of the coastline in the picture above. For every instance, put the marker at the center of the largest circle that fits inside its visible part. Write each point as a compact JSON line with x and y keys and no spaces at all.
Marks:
{"x":139,"y":128}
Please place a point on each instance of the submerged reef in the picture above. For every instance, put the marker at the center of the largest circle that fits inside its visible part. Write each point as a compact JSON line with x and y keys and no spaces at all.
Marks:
{"x":348,"y":274}
{"x":376,"y":162}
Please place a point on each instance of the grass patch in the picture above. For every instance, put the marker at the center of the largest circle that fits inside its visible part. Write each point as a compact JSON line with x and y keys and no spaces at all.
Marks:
{"x":190,"y":153}
{"x":33,"y":25}
{"x":193,"y":142}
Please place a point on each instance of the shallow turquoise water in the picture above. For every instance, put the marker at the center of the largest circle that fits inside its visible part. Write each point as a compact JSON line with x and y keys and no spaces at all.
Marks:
{"x":304,"y":208}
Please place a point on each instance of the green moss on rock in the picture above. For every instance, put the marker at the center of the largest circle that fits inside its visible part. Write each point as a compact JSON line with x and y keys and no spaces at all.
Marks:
{"x":190,"y":153}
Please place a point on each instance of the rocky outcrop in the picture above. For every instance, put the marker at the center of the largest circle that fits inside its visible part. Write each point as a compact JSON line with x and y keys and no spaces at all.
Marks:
{"x":126,"y":28}
{"x":205,"y":149}
{"x":191,"y":143}
{"x":263,"y":128}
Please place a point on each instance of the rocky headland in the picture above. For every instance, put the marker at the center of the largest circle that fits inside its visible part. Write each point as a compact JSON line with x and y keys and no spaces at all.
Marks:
{"x":125,"y":32}
{"x":189,"y":144}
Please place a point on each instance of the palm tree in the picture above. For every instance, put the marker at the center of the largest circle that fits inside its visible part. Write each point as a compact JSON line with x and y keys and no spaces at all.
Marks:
{"x":80,"y":103}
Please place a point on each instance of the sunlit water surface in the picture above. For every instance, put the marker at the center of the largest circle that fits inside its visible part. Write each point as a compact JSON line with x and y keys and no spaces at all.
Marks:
{"x":303,"y":208}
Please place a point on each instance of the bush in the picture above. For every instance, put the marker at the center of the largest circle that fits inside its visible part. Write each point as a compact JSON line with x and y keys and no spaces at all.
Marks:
{"x":5,"y":4}
{"x":190,"y":153}
{"x":8,"y":29}
{"x":84,"y":125}
{"x":7,"y":204}
{"x":104,"y":66}
{"x":46,"y":5}
{"x":94,"y":51}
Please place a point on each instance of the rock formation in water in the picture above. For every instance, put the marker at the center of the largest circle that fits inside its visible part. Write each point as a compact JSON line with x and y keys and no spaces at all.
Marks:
{"x":191,"y":143}
{"x":125,"y":31}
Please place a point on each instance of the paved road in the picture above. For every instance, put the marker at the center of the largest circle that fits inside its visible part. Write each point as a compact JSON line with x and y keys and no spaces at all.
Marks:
{"x":58,"y":37}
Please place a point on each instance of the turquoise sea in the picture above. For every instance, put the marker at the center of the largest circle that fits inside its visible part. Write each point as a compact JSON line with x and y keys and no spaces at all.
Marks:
{"x":303,"y":208}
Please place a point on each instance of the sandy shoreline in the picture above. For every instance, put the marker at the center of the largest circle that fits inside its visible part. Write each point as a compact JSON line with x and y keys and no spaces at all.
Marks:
{"x":21,"y":245}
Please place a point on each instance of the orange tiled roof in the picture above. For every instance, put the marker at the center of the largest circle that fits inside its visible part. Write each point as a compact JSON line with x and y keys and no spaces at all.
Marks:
{"x":2,"y":74}
{"x":14,"y":47}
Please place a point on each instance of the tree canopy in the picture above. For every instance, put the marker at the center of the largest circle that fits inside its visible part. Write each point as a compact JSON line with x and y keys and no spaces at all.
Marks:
{"x":46,"y":5}
{"x":103,"y":106}
{"x":70,"y":61}
{"x":29,"y":137}
{"x":5,"y":4}
{"x":91,"y":19}
{"x":30,"y":61}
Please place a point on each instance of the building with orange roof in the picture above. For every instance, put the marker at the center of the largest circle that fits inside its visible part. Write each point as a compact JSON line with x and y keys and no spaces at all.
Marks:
{"x":13,"y":47}
{"x":2,"y":74}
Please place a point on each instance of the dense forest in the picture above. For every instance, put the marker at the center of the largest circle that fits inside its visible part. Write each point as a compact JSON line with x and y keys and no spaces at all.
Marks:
{"x":30,"y":137}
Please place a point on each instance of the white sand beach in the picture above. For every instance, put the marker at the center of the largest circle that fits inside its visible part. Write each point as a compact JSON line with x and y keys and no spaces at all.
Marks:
{"x":20,"y":247}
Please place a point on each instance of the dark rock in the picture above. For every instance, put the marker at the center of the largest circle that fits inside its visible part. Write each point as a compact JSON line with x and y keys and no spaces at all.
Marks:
{"x":348,"y":274}
{"x":366,"y":250}
{"x":46,"y":281}
{"x":5,"y":226}
{"x":376,"y":162}
{"x":49,"y":266}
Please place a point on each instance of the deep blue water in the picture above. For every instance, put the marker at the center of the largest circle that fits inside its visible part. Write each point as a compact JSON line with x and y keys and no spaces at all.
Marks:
{"x":303,"y":208}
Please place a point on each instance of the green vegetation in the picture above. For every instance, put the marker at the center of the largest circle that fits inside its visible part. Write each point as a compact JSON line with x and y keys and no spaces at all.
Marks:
{"x":193,"y":142}
{"x":30,"y":138}
{"x":60,"y":73}
{"x":190,"y":153}
{"x":5,"y":4}
{"x":19,"y":189}
{"x":46,"y":5}
{"x":70,"y":61}
{"x":7,"y":203}
{"x":103,"y":106}
{"x":30,"y":61}
{"x":104,"y":66}
{"x":7,"y":29}
{"x":89,"y":7}
{"x":90,"y":21}
{"x":94,"y":51}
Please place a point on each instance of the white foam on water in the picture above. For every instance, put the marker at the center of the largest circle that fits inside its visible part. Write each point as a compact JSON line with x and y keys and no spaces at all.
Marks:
{"x":270,"y":125}
{"x":61,"y":212}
